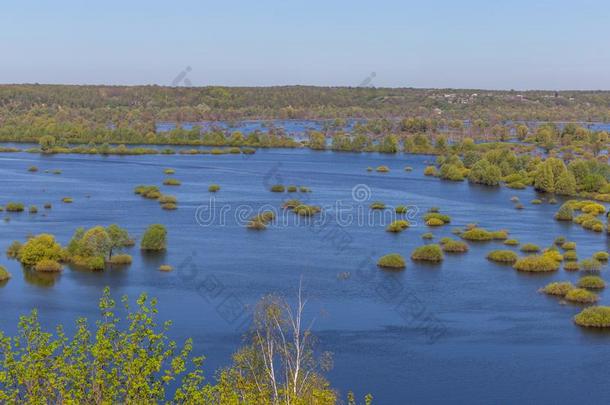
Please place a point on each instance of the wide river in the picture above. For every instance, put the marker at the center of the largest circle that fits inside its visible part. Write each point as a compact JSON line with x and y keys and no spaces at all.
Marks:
{"x":464,"y":331}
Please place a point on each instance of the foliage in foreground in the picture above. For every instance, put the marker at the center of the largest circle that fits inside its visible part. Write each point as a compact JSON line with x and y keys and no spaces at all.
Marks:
{"x":133,"y":361}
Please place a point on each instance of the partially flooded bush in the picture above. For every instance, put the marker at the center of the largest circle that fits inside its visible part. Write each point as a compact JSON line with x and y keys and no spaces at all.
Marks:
{"x":499,"y":235}
{"x":169,"y":171}
{"x":445,"y":219}
{"x":536,"y":201}
{"x":167,"y":199}
{"x":278,"y":188}
{"x":536,"y":264}
{"x":213,"y":188}
{"x":306,"y":210}
{"x":427,"y":236}
{"x":581,"y":295}
{"x":171,"y":182}
{"x":397,"y":226}
{"x":169,"y":206}
{"x":401,"y":209}
{"x":165,"y":267}
{"x":292,"y":203}
{"x":454,"y":246}
{"x":571,"y":266}
{"x":292,"y":189}
{"x":392,"y":261}
{"x":377,"y":205}
{"x":511,"y":242}
{"x":32,"y":169}
{"x":558,"y":288}
{"x":4,"y":274}
{"x":154,"y":238}
{"x":477,"y":234}
{"x":590,"y":265}
{"x":430,"y":171}
{"x":502,"y":256}
{"x":33,"y":209}
{"x":12,"y":252}
{"x":383,"y":169}
{"x":560,"y":240}
{"x":67,"y":200}
{"x":530,"y":248}
{"x":594,"y":317}
{"x":14,"y":207}
{"x":48,"y":206}
{"x":592,"y":282}
{"x":568,"y":246}
{"x":434,"y":222}
{"x":553,"y":254}
{"x":429,"y":253}
{"x":565,"y":213}
{"x":121,"y":259}
{"x":570,"y":256}
{"x":47,"y":265}
{"x":601,"y":256}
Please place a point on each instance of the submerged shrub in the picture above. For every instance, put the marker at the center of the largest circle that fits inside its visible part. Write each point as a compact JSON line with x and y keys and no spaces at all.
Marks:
{"x":571,"y":266}
{"x":445,"y":219}
{"x":292,"y":203}
{"x":171,"y":182}
{"x":33,"y":209}
{"x":169,"y":171}
{"x":292,"y":189}
{"x":377,"y":205}
{"x":169,"y":206}
{"x":454,"y":246}
{"x":502,"y":256}
{"x":511,"y":242}
{"x":568,"y":246}
{"x":397,"y":226}
{"x":499,"y":235}
{"x":165,"y":267}
{"x":558,"y":288}
{"x":32,"y":169}
{"x":434,"y":222}
{"x":601,"y":256}
{"x":560,"y":240}
{"x":306,"y":210}
{"x":553,"y":254}
{"x":213,"y":188}
{"x":530,"y":248}
{"x":594,"y":317}
{"x":536,"y":201}
{"x":565,"y":213}
{"x":581,"y":295}
{"x":401,"y":209}
{"x":592,"y":282}
{"x":95,"y":263}
{"x":392,"y":261}
{"x":12,"y":252}
{"x":67,"y":200}
{"x":154,"y":238}
{"x":47,"y":265}
{"x":383,"y":169}
{"x":477,"y":234}
{"x":570,"y":255}
{"x":4,"y":274}
{"x":430,"y":253}
{"x":167,"y":199}
{"x":121,"y":259}
{"x":430,"y":171}
{"x":278,"y":188}
{"x":536,"y":264}
{"x":427,"y":235}
{"x":48,"y":206}
{"x":590,"y":265}
{"x":14,"y":207}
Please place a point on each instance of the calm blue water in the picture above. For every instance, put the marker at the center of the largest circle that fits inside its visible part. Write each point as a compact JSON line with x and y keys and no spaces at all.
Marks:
{"x":464,"y":331}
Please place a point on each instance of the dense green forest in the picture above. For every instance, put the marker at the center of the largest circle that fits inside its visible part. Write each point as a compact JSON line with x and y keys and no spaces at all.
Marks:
{"x":129,"y":113}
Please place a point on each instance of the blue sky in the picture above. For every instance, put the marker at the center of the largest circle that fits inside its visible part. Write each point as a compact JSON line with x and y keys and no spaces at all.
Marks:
{"x":461,"y":44}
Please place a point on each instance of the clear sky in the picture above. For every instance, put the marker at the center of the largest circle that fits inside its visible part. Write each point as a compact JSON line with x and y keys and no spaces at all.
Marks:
{"x":561,"y":44}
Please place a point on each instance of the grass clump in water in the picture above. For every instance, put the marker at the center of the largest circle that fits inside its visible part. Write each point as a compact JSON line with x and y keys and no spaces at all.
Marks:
{"x":477,"y":234}
{"x":594,"y":317}
{"x":14,"y":207}
{"x":48,"y":265}
{"x":590,"y":265}
{"x":530,"y":248}
{"x":453,"y":246}
{"x":377,"y":205}
{"x":536,"y":264}
{"x":601,"y":256}
{"x":171,"y":182}
{"x":581,"y":296}
{"x":428,"y":253}
{"x":213,"y":188}
{"x":392,"y":261}
{"x":511,"y":242}
{"x":502,"y":256}
{"x":397,"y":226}
{"x":592,"y":282}
{"x":558,"y":288}
{"x":278,"y":188}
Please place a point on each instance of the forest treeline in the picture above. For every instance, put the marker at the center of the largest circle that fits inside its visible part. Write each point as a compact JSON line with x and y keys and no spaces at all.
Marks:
{"x":130,"y":113}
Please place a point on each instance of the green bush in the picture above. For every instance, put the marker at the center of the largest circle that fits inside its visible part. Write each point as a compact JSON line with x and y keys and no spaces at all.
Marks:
{"x":430,"y":253}
{"x":260,"y":221}
{"x":397,"y":226}
{"x":592,"y":282}
{"x":511,"y":242}
{"x":401,"y":209}
{"x":435,"y":215}
{"x":454,"y":246}
{"x":499,"y":235}
{"x":304,"y":189}
{"x":571,"y":266}
{"x":558,"y":288}
{"x":47,"y":265}
{"x":12,"y":252}
{"x":601,"y":256}
{"x":536,"y":264}
{"x":594,"y":317}
{"x":427,"y":235}
{"x":14,"y":207}
{"x":477,"y":234}
{"x":278,"y":188}
{"x":377,"y":205}
{"x":565,"y":213}
{"x":502,"y":256}
{"x":568,"y":246}
{"x":171,"y":182}
{"x":581,"y":295}
{"x":4,"y":274}
{"x":40,"y":247}
{"x":306,"y":210}
{"x":121,"y":259}
{"x":392,"y":261}
{"x":536,"y":201}
{"x":590,"y":265}
{"x":553,"y":254}
{"x":430,"y":171}
{"x":167,"y":199}
{"x":530,"y":248}
{"x":154,"y":238}
{"x":560,"y":240}
{"x":570,"y":256}
{"x":434,"y":222}
{"x":213,"y":188}
{"x":292,"y":189}
{"x":95,"y":263}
